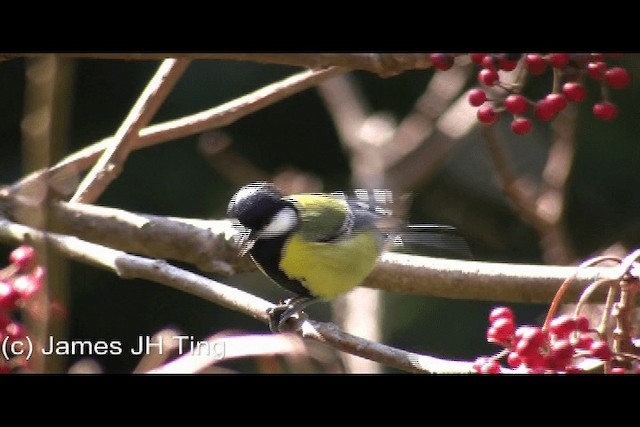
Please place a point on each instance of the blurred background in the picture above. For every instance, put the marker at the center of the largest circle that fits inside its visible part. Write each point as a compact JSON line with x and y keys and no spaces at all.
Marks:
{"x":297,"y":143}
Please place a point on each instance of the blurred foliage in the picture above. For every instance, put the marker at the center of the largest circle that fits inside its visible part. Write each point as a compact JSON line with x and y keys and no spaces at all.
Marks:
{"x":174,"y":179}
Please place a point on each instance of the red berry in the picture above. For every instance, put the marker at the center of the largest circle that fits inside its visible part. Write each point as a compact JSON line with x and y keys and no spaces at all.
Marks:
{"x":574,"y":92}
{"x":559,"y":60}
{"x":584,"y":342}
{"x":582,"y":323}
{"x":535,"y":63}
{"x":479,"y":362}
{"x":536,"y":371}
{"x":477,"y":97}
{"x":488,"y":77}
{"x":596,"y":70}
{"x":531,"y":333}
{"x":558,"y":100}
{"x":490,"y":367}
{"x":15,"y":331}
{"x":600,"y":349}
{"x":516,"y":104}
{"x":574,"y":370}
{"x":534,"y":360}
{"x":561,"y":352}
{"x":507,"y":63}
{"x":501,"y":330}
{"x":442,"y":61}
{"x":501,"y":313}
{"x":8,"y":296}
{"x":562,"y":326}
{"x":26,"y":285}
{"x":5,"y":319}
{"x":521,"y":125}
{"x":487,"y":114}
{"x":544,"y":110}
{"x":513,"y":359}
{"x":617,"y":370}
{"x":596,"y":57}
{"x":24,"y":258}
{"x":477,"y":57}
{"x":617,"y":77}
{"x":605,"y":110}
{"x":491,"y":62}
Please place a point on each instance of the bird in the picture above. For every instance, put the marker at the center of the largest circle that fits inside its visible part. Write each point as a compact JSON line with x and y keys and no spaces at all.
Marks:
{"x":317,"y":246}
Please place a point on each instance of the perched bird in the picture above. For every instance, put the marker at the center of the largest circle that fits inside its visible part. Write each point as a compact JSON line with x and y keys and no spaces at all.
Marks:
{"x":318,"y":246}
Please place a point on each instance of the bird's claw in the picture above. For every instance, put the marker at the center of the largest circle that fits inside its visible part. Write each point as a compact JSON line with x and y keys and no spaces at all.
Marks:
{"x":286,"y":316}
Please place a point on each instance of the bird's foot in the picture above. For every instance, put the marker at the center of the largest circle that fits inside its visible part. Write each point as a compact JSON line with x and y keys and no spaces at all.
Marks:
{"x":288,"y":315}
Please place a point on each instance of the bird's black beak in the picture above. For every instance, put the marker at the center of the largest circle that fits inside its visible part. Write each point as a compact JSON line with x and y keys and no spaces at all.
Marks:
{"x":246,"y":241}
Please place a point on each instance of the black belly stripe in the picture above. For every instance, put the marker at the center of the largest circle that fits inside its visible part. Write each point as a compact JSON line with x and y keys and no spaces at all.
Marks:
{"x":266,"y":253}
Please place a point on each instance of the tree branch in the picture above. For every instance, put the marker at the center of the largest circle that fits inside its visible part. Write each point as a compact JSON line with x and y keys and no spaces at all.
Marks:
{"x":382,"y":64}
{"x":111,"y":162}
{"x":135,"y":267}
{"x":541,"y":208}
{"x":210,"y":245}
{"x":216,"y":117}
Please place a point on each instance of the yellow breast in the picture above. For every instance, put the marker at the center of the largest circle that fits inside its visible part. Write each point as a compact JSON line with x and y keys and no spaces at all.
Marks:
{"x":330,"y":269}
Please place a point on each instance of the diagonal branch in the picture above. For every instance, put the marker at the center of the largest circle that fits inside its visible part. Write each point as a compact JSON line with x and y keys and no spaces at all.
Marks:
{"x":512,"y":186}
{"x":542,"y":208}
{"x":216,"y":117}
{"x":111,"y":163}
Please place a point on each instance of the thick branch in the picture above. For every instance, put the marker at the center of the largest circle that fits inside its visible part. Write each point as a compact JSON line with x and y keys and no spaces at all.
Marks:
{"x":474,"y":280}
{"x":209,"y":245}
{"x":383,"y":64}
{"x":206,"y":244}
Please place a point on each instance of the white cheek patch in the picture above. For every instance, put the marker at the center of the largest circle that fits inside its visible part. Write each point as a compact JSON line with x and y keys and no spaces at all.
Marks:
{"x":282,"y":223}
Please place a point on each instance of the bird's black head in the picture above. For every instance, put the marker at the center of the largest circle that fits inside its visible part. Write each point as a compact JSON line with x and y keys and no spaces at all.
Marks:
{"x":255,"y":205}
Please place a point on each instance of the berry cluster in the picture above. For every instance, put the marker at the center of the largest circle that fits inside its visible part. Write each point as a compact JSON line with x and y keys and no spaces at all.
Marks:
{"x":19,"y":282}
{"x":531,"y":349}
{"x":569,"y":74}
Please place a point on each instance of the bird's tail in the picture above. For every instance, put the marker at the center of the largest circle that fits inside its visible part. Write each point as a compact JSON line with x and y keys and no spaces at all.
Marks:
{"x":441,"y":241}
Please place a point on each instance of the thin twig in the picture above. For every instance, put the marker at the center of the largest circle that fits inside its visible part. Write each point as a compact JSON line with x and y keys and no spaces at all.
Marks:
{"x":437,"y":100}
{"x":111,"y":162}
{"x":510,"y":183}
{"x":383,"y":64}
{"x":543,"y":208}
{"x":216,"y":117}
{"x":564,"y":287}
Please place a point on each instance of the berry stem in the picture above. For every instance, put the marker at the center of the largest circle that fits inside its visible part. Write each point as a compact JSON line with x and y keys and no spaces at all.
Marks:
{"x":501,"y":354}
{"x":584,"y":297}
{"x":606,"y":313}
{"x":553,"y":308}
{"x":8,"y":271}
{"x":604,"y":91}
{"x":557,"y":81}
